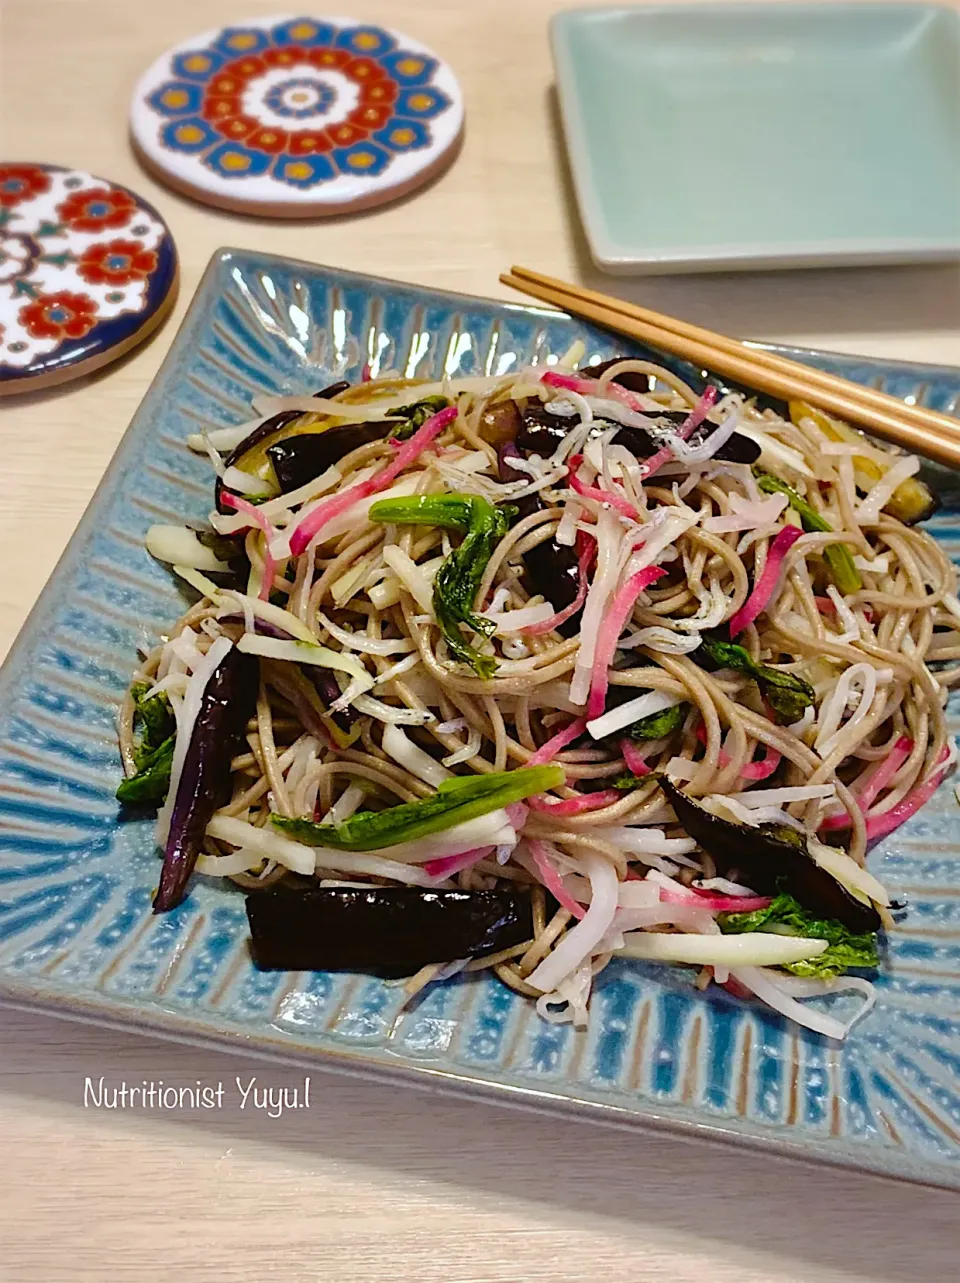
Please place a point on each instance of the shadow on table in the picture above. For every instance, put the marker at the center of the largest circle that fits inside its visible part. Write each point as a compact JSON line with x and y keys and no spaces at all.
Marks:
{"x":758,"y":305}
{"x":865,"y":1226}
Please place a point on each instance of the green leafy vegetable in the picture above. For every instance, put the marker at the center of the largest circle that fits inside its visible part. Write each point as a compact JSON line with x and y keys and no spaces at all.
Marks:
{"x":628,"y":781}
{"x":455,"y":802}
{"x":416,"y":415}
{"x":787,"y":693}
{"x":155,"y":717}
{"x":656,"y":726}
{"x":838,"y":556}
{"x":785,"y":916}
{"x":150,"y":784}
{"x":153,"y":754}
{"x":458,"y":579}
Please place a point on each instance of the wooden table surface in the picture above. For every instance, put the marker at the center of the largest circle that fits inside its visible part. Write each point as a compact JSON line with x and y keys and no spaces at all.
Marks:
{"x":381,"y":1184}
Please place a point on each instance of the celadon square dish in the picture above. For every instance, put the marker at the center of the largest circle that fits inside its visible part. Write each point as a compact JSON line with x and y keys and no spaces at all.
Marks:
{"x":722,"y":136}
{"x":77,"y":935}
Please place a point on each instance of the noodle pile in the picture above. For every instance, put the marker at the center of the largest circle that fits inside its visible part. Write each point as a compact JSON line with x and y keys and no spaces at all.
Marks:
{"x":679,"y":543}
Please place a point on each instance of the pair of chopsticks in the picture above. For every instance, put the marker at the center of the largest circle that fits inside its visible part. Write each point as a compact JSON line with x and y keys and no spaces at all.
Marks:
{"x":918,"y":430}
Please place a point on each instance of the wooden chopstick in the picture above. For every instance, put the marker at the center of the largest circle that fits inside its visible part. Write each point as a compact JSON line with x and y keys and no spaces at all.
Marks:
{"x":919,"y":430}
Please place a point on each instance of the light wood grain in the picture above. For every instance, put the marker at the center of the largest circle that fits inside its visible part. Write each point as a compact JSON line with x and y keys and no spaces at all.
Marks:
{"x":374,"y":1184}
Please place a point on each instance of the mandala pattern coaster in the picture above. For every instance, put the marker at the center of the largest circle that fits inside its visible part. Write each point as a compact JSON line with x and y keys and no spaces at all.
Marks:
{"x":297,"y":118}
{"x":87,"y":271}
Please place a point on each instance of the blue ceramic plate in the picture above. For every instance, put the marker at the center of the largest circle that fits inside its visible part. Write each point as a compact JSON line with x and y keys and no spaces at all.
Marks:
{"x":707,"y":136}
{"x":76,"y":931}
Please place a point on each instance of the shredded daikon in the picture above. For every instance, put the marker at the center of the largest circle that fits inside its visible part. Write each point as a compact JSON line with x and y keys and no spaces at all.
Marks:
{"x":625,"y":714}
{"x":413,"y":758}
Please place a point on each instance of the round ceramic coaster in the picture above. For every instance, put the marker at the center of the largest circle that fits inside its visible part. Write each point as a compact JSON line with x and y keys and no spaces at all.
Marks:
{"x":87,"y":271}
{"x":297,"y":117}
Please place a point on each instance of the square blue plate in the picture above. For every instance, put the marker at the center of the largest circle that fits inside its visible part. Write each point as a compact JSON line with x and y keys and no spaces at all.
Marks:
{"x":76,"y":931}
{"x":762,"y":135}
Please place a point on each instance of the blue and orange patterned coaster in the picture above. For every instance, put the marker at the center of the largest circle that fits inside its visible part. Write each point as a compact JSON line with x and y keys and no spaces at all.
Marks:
{"x":87,"y":271}
{"x":297,"y":117}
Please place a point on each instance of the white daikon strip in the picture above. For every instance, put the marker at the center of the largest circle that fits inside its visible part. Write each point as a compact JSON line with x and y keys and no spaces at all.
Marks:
{"x":579,"y":943}
{"x":781,"y":796}
{"x":773,"y":452}
{"x":347,"y":804}
{"x":271,"y":845}
{"x":178,"y":545}
{"x":846,"y":870}
{"x":868,"y":511}
{"x":514,"y":621}
{"x":643,"y":706}
{"x":224,"y":439}
{"x":225,"y":866}
{"x":246,"y":483}
{"x":303,"y":652}
{"x":752,"y":949}
{"x":413,"y":758}
{"x":413,"y":577}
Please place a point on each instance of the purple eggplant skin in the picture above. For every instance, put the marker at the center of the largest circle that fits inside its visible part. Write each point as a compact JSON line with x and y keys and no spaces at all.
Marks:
{"x":260,"y":434}
{"x":771,"y":858}
{"x":228,"y":701}
{"x":385,"y":930}
{"x":553,"y":568}
{"x":297,"y":460}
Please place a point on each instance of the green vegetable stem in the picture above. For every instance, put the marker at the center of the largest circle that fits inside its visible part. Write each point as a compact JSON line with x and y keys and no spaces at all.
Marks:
{"x":838,"y":556}
{"x":455,"y":802}
{"x":787,"y":693}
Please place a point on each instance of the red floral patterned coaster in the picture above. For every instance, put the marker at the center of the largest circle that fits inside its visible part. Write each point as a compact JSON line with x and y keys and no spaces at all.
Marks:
{"x":87,"y":271}
{"x":297,"y":117}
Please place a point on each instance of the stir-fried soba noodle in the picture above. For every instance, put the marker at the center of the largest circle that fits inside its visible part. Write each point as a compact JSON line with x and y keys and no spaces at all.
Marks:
{"x":643,"y":669}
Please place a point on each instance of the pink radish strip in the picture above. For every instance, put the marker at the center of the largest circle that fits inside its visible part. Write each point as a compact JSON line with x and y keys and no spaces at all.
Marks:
{"x":547,"y":752}
{"x":879,"y":826}
{"x":685,"y":430}
{"x":552,"y":880}
{"x":258,"y":519}
{"x":610,"y":630}
{"x":590,"y":387}
{"x":635,"y":763}
{"x":714,"y":903}
{"x":765,"y":767}
{"x":315,"y":520}
{"x":873,"y":785}
{"x":618,"y":501}
{"x":753,"y":770}
{"x":587,"y":551}
{"x":446,"y":865}
{"x":366,"y":374}
{"x":766,"y":585}
{"x":575,"y":805}
{"x":877,"y":780}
